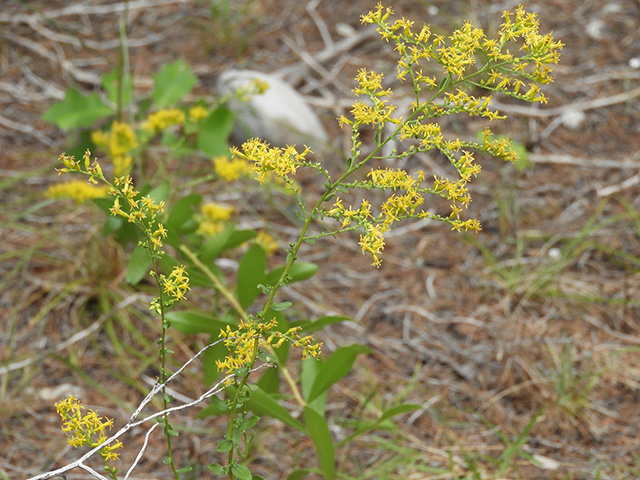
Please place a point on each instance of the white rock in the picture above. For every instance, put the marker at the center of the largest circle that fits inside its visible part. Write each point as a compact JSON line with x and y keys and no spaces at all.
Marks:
{"x":572,"y":119}
{"x":279,"y":116}
{"x":546,"y":462}
{"x":595,"y":29}
{"x":60,"y":392}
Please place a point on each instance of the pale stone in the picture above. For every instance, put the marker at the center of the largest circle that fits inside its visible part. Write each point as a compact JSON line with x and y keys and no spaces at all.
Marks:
{"x":572,"y":119}
{"x":279,"y":116}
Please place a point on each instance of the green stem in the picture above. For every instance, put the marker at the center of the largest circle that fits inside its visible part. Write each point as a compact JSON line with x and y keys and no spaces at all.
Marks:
{"x":243,"y":314}
{"x":163,"y":355}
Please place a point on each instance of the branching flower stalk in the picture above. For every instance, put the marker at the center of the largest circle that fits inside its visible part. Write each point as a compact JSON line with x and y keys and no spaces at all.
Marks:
{"x":143,"y":212}
{"x":434,"y":95}
{"x":457,"y":56}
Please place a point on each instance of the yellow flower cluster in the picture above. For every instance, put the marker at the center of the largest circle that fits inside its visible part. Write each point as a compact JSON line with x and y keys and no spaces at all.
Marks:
{"x":177,"y":284}
{"x":213,"y":217}
{"x":250,"y":337}
{"x":119,"y":143}
{"x":140,"y":210}
{"x":397,"y":207}
{"x":230,"y":170}
{"x":88,"y":167}
{"x":197,"y":113}
{"x":378,"y":113}
{"x":265,"y":159}
{"x":163,"y":119}
{"x":77,"y":190}
{"x":458,"y":53}
{"x":466,"y":56}
{"x":86,"y":429}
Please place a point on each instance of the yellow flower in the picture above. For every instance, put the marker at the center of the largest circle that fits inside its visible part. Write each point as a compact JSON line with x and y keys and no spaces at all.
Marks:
{"x":197,"y":113}
{"x":373,"y":243}
{"x":216,"y":212}
{"x":250,"y":337}
{"x":122,"y":139}
{"x":213,"y":218}
{"x":177,"y":284}
{"x":100,"y":138}
{"x":163,"y":119}
{"x":230,"y":170}
{"x":122,"y":165}
{"x":78,"y":190}
{"x":281,"y":161}
{"x":86,"y":429}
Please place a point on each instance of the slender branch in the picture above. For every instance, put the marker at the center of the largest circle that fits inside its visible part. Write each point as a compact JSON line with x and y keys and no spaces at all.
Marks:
{"x":132,"y":423}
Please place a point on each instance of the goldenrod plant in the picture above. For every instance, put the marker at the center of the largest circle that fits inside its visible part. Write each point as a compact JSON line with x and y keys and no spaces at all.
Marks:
{"x":445,"y":75}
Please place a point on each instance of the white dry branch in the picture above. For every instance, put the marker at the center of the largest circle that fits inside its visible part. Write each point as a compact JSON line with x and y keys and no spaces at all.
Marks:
{"x":83,"y":9}
{"x":133,"y":423}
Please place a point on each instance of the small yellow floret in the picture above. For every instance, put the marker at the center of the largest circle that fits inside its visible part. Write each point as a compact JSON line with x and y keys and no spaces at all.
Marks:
{"x":216,"y":211}
{"x":122,"y":139}
{"x":78,"y":190}
{"x":163,"y":119}
{"x":197,"y":113}
{"x":230,"y":170}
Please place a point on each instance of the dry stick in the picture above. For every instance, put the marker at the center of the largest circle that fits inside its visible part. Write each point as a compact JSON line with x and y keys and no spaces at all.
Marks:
{"x":628,"y":162}
{"x":217,"y":388}
{"x":297,"y":72}
{"x":611,"y":189}
{"x":312,"y":63}
{"x":80,"y":75}
{"x":579,"y":106}
{"x":320,"y":24}
{"x":80,"y":9}
{"x":28,"y":129}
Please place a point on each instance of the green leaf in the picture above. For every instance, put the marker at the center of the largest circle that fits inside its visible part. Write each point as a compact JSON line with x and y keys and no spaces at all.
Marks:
{"x":214,"y":131}
{"x":398,"y":410}
{"x":185,"y":469}
{"x":335,"y":368}
{"x":250,"y":274}
{"x":240,"y":471}
{"x":321,"y":437}
{"x":299,"y":474}
{"x":172,"y":82}
{"x":308,"y":374}
{"x":110,"y":85}
{"x":76,"y":110}
{"x":248,"y":423}
{"x":139,"y":264}
{"x":224,"y":445}
{"x":238,"y":237}
{"x":160,"y":193}
{"x":182,"y":212}
{"x":320,"y":323}
{"x":217,"y":469}
{"x":299,"y":271}
{"x":262,"y":403}
{"x":280,"y":307}
{"x":192,"y":322}
{"x":270,"y":380}
{"x":215,"y":244}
